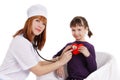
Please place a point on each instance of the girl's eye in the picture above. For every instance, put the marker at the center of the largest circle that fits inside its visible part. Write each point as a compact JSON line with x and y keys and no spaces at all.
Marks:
{"x":73,"y":30}
{"x":79,"y":29}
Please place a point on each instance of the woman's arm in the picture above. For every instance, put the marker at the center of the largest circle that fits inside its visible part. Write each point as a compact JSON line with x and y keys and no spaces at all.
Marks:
{"x":41,"y":69}
{"x":48,"y":62}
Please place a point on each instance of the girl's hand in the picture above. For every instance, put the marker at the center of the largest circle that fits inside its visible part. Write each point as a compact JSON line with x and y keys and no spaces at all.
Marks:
{"x":84,"y":51}
{"x":60,"y":72}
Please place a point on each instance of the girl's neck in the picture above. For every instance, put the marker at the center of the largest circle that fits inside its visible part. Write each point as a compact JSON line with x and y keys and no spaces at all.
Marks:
{"x":81,"y":39}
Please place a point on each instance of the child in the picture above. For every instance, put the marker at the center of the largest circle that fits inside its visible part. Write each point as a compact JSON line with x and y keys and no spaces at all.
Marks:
{"x":83,"y":61}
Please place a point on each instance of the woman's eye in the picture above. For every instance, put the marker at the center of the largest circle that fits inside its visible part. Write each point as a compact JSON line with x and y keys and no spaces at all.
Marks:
{"x":44,"y":24}
{"x":37,"y":20}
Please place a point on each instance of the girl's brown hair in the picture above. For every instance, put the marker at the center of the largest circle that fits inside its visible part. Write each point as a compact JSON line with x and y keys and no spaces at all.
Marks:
{"x":39,"y":40}
{"x":81,"y":21}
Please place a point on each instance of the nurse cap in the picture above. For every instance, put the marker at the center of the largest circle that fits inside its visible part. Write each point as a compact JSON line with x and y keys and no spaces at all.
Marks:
{"x":37,"y":10}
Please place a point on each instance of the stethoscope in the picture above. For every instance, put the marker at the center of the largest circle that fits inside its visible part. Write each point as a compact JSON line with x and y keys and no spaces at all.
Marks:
{"x":35,"y":47}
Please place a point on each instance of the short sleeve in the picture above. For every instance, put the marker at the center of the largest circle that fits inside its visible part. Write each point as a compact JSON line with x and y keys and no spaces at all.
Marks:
{"x":22,"y":50}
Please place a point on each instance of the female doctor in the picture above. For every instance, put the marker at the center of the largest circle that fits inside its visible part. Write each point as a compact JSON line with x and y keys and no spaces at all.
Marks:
{"x":22,"y":58}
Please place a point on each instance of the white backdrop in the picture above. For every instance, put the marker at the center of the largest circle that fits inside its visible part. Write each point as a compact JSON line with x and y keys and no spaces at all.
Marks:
{"x":103,"y":17}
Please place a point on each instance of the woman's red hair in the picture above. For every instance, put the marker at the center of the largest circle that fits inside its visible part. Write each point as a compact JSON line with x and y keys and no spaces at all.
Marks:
{"x":27,"y":32}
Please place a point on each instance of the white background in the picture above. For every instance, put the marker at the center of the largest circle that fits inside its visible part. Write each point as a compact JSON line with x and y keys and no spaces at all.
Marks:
{"x":103,"y":17}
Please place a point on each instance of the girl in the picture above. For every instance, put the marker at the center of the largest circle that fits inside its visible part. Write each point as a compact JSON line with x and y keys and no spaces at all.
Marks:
{"x":83,"y":61}
{"x":21,"y":57}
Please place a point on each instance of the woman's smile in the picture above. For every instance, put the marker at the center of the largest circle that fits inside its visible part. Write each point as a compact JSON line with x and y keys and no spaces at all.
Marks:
{"x":38,"y":29}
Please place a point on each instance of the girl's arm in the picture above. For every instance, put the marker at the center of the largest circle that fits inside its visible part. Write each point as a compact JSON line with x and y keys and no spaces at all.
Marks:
{"x":90,"y":57}
{"x":60,"y":71}
{"x":64,"y":49}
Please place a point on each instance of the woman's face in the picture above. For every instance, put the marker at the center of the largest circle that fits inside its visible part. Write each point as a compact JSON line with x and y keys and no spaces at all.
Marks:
{"x":37,"y":27}
{"x":79,"y":32}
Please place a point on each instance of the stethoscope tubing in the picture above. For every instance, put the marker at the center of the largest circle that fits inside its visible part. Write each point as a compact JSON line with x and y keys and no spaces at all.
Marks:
{"x":41,"y":56}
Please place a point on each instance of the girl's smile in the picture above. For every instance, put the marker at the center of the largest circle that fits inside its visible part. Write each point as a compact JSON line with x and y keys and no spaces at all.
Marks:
{"x":79,"y":32}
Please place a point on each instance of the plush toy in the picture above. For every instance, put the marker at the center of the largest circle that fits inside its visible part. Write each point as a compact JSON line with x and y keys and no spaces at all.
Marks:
{"x":75,"y":48}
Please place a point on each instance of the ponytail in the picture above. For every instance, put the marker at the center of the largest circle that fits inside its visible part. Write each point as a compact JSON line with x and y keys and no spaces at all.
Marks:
{"x":89,"y":33}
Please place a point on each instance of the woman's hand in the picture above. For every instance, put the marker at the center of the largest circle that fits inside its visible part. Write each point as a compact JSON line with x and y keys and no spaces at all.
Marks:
{"x":84,"y":51}
{"x":67,"y":48}
{"x":56,"y":58}
{"x":65,"y":57}
{"x":60,"y":72}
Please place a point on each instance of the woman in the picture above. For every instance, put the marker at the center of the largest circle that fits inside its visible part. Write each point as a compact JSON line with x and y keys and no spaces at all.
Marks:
{"x":22,"y":57}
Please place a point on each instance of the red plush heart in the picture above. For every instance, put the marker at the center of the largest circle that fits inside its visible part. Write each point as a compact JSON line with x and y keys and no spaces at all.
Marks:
{"x":75,"y":48}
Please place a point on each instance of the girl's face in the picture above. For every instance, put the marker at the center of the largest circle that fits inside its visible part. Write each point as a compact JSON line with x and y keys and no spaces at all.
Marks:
{"x":79,"y":32}
{"x":37,"y":27}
